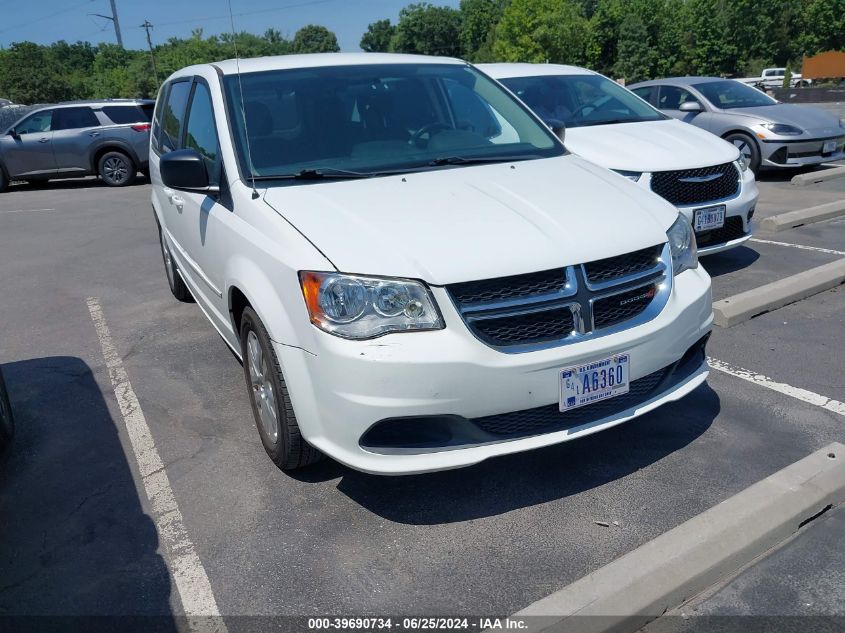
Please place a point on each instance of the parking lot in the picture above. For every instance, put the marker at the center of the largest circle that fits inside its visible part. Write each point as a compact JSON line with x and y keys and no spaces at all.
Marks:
{"x":77,"y":534}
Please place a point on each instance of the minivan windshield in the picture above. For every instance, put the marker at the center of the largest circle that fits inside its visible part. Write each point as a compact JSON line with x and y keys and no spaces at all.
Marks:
{"x":348,"y":121}
{"x":581,"y":100}
{"x":729,"y":94}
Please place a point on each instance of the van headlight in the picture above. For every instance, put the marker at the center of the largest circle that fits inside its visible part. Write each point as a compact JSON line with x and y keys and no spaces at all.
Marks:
{"x":683,"y":246}
{"x":357,"y":307}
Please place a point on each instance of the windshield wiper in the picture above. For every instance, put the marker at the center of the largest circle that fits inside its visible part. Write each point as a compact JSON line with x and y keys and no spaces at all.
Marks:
{"x":477,"y":160}
{"x":613,"y":122}
{"x":326,"y":173}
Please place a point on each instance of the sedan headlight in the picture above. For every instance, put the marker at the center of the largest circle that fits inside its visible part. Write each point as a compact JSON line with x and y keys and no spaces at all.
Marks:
{"x":842,"y":123}
{"x":630,"y":175}
{"x":783,"y":129}
{"x":742,"y":163}
{"x":682,"y":244}
{"x":356,"y":307}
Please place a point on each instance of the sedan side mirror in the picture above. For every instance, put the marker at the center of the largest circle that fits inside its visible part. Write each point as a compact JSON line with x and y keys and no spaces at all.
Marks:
{"x":13,"y":133}
{"x":185,"y":169}
{"x":691,"y":106}
{"x":558,"y":127}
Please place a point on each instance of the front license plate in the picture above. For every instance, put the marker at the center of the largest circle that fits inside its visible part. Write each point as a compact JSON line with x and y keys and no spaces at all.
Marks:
{"x":709,"y":218}
{"x":590,"y":383}
{"x":829,"y":147}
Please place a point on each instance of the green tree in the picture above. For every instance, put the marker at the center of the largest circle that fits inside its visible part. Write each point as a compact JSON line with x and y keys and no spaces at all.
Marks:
{"x":542,"y":31}
{"x":428,"y":30}
{"x":712,"y":51}
{"x":634,"y":61}
{"x":478,"y":27}
{"x":27,"y":77}
{"x":377,"y":37}
{"x":313,"y":38}
{"x":823,"y":23}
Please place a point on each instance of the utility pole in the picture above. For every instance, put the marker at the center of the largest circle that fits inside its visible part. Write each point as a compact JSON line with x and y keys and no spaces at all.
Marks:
{"x":115,"y":21}
{"x":148,"y":27}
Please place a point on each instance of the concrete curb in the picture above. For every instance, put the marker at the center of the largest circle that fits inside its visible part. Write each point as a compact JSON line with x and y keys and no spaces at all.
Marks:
{"x":792,"y":219}
{"x":746,"y":305}
{"x":802,"y":180}
{"x":640,"y":586}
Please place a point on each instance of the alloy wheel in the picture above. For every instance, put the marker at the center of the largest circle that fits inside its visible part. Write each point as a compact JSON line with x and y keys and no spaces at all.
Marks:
{"x":261,"y":383}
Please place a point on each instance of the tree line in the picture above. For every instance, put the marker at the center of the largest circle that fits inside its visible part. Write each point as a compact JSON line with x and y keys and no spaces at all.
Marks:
{"x":630,"y":39}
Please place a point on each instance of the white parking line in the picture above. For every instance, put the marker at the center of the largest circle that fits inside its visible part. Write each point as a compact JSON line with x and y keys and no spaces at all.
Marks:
{"x":801,"y":246}
{"x":185,"y":566}
{"x":764,"y":381}
{"x":23,"y":211}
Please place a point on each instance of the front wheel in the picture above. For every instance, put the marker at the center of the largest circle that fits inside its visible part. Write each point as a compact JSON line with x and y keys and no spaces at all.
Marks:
{"x":268,"y":394}
{"x":116,"y":169}
{"x":747,"y":146}
{"x":4,"y":182}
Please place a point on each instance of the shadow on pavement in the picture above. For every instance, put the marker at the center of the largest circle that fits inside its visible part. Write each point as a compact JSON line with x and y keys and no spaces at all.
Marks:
{"x":729,"y":261}
{"x":69,"y":183}
{"x":74,"y":539}
{"x":511,"y":482}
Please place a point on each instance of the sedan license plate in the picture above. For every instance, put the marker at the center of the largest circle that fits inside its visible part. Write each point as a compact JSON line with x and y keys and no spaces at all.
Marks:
{"x":710,"y":218}
{"x":590,"y":383}
{"x":829,"y":147}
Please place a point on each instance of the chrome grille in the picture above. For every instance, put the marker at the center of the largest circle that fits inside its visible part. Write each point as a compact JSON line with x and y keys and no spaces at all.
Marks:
{"x":556,"y":307}
{"x":696,"y":186}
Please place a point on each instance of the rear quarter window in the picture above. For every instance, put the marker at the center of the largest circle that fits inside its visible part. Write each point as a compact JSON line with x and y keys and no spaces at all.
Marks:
{"x":127,"y":114}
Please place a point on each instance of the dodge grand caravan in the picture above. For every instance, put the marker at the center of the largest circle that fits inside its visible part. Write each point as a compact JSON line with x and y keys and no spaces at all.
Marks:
{"x":414,"y":270}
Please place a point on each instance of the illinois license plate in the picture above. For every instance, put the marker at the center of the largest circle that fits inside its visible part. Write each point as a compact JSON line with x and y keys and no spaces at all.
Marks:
{"x":709,"y":218}
{"x":593,"y":382}
{"x":829,"y":147}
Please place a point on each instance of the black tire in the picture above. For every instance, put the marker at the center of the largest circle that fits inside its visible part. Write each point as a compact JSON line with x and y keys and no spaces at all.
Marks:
{"x":7,"y":422}
{"x":116,"y":169}
{"x":4,"y":182}
{"x":288,"y":449}
{"x":747,"y":146}
{"x":174,"y":279}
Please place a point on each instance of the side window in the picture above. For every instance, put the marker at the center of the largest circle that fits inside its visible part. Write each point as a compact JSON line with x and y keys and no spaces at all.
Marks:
{"x":645,"y":92}
{"x":202,"y":133}
{"x":122,"y":115}
{"x":155,"y":135}
{"x":74,"y":119}
{"x":173,"y":116}
{"x":38,"y":122}
{"x":671,"y":97}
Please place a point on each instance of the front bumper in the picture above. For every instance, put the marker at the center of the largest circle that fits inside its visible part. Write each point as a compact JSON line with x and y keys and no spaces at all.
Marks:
{"x":738,"y":212}
{"x":340,"y":390}
{"x":800,"y":152}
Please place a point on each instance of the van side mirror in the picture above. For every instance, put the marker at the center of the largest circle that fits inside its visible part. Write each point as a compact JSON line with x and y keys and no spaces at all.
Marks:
{"x":185,"y":169}
{"x":691,"y":106}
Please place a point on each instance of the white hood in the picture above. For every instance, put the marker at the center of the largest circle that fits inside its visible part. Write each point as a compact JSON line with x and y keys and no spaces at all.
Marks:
{"x":477,"y":222}
{"x":649,"y":146}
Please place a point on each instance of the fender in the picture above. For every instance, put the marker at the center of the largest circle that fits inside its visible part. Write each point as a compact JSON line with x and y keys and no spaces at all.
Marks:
{"x":113,"y":144}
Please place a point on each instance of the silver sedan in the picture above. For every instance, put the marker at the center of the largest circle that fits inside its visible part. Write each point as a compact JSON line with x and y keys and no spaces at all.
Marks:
{"x":767,"y":132}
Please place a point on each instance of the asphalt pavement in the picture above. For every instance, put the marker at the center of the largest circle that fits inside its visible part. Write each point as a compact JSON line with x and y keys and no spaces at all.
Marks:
{"x":76,"y":535}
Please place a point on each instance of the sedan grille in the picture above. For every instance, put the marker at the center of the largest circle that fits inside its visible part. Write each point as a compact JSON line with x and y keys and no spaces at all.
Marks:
{"x":696,"y":186}
{"x":732,"y":230}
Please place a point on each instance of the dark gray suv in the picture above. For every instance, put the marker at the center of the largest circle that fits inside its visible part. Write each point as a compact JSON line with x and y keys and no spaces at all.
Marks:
{"x":109,"y":139}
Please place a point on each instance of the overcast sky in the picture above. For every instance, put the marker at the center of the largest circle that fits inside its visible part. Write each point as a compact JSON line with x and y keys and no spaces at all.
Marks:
{"x":46,"y":21}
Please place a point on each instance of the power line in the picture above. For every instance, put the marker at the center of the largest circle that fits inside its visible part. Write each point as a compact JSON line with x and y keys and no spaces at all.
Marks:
{"x":46,"y":17}
{"x":148,"y":27}
{"x":115,"y":21}
{"x":246,"y":13}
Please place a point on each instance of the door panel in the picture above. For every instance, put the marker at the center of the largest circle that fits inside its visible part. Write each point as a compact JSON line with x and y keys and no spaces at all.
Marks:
{"x":76,"y":131}
{"x":31,"y":153}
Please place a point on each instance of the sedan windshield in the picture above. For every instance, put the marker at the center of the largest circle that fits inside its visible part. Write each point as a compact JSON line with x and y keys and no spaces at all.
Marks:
{"x":729,"y":94}
{"x":360,"y":121}
{"x":580,"y":100}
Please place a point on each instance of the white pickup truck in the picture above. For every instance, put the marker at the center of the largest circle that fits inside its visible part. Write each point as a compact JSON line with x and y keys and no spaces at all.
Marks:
{"x":773,"y":78}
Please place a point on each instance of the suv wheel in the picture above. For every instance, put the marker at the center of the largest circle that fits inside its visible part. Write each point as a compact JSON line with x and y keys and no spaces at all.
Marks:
{"x":116,"y":169}
{"x":7,"y":424}
{"x":270,"y":399}
{"x":174,"y":279}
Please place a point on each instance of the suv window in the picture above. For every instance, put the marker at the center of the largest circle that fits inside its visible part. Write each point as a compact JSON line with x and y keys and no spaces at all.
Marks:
{"x":671,"y":97}
{"x":74,"y":118}
{"x":38,"y":122}
{"x":202,"y":133}
{"x":173,"y":116}
{"x":122,"y":115}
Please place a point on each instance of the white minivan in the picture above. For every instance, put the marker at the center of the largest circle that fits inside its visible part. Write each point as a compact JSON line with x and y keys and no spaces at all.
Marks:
{"x":705,"y":177}
{"x":415,"y":271}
